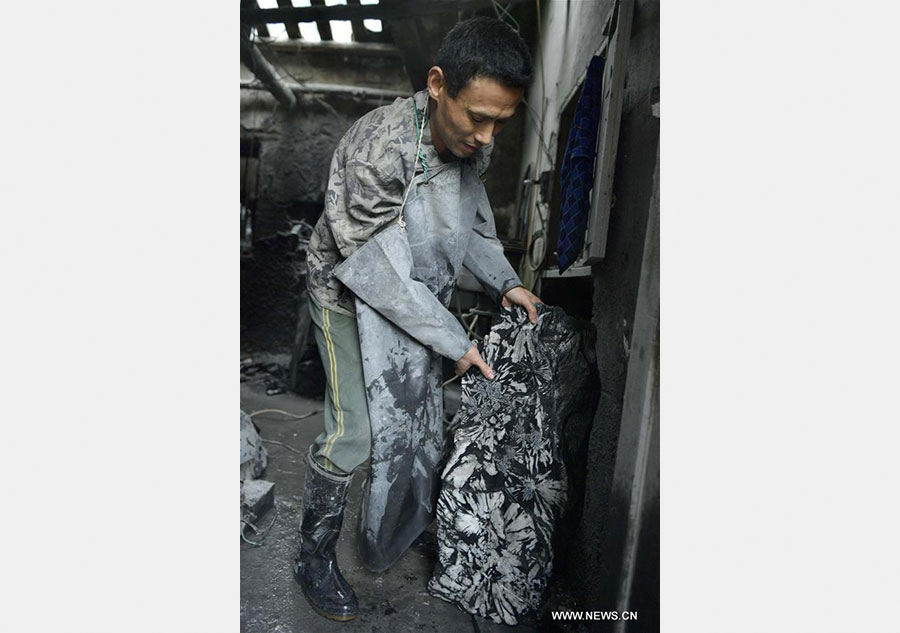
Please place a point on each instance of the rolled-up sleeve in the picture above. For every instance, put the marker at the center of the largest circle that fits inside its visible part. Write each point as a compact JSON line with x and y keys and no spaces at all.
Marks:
{"x":379,"y":274}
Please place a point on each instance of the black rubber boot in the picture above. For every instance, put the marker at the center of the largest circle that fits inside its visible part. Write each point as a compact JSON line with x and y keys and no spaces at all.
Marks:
{"x":315,"y":566}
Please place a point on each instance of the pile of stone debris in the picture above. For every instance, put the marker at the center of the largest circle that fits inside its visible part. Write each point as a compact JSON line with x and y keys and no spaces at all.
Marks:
{"x":257,"y":495}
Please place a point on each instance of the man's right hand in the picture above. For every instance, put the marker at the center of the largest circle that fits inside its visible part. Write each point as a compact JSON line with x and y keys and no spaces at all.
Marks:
{"x":472,"y":357}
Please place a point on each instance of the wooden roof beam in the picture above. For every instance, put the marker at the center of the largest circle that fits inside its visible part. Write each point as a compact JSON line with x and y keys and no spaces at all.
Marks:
{"x":363,"y":35}
{"x":292,"y":29}
{"x":322,"y":25}
{"x":261,"y":29}
{"x":397,"y":10}
{"x":356,"y":26}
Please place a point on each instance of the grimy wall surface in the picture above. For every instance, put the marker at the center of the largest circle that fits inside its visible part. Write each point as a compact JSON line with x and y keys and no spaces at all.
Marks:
{"x":617,"y":277}
{"x":572,"y":34}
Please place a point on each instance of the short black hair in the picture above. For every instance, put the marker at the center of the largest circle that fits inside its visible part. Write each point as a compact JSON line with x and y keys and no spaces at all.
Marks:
{"x":484,"y":47}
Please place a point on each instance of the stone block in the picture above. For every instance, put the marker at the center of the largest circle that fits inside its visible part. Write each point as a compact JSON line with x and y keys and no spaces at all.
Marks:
{"x":257,"y":496}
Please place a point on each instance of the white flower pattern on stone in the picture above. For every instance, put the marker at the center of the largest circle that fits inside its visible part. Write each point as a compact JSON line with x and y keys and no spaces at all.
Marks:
{"x":504,"y":484}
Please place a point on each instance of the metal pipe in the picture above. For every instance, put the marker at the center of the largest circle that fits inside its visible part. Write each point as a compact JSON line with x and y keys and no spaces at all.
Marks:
{"x":254,"y":60}
{"x":337,"y":89}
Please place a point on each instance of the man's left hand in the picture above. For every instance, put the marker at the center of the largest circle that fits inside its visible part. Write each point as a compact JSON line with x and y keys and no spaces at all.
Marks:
{"x":521,"y":296}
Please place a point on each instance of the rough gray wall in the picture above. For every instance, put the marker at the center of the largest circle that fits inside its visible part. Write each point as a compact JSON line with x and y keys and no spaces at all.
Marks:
{"x":616,"y":281}
{"x":502,"y":183}
{"x":295,"y":152}
{"x":293,"y":167}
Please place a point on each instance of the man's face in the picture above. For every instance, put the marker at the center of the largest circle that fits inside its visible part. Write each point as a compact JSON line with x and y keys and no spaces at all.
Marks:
{"x":463,"y":124}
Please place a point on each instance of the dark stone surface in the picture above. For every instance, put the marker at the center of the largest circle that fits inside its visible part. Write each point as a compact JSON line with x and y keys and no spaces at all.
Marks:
{"x":293,"y":166}
{"x":270,"y":289}
{"x":294,"y":156}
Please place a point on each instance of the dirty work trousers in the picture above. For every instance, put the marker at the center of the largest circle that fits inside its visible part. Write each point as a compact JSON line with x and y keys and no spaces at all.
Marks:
{"x":347,"y":439}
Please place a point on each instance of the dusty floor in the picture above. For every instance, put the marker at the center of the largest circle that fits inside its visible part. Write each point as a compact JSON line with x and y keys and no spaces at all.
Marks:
{"x":390,"y":602}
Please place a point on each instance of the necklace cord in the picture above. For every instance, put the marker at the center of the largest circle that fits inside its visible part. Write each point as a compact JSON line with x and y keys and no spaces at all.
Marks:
{"x":419,"y":133}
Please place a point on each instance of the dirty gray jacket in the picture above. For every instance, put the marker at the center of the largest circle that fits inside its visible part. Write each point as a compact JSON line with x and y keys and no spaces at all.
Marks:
{"x":370,"y":169}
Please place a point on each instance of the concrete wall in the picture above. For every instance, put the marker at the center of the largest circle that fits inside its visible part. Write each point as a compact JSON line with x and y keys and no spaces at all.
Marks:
{"x":295,"y":153}
{"x":572,"y":34}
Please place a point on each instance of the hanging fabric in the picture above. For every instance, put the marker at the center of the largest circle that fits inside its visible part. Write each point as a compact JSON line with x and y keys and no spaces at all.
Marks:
{"x":577,"y":173}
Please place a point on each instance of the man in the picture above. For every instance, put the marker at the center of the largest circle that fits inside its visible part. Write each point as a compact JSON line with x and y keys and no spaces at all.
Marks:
{"x":405,"y":209}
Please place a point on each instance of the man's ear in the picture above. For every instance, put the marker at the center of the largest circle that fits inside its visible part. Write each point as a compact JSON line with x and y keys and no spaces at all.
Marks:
{"x":436,"y":86}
